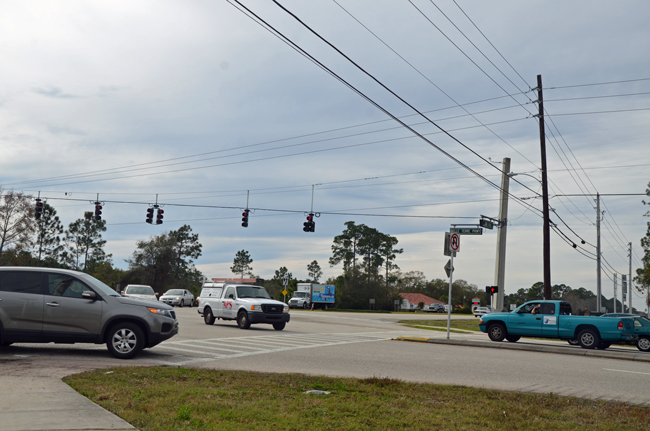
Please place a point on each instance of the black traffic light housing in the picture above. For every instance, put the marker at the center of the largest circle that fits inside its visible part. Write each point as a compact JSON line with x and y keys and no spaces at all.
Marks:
{"x":150,"y":215}
{"x":98,"y":211}
{"x":310,"y":224}
{"x":244,"y":218}
{"x":38,"y":211}
{"x":490,"y":290}
{"x":159,"y":216}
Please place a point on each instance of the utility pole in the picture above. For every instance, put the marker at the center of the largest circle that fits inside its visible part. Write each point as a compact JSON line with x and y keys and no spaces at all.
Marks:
{"x":629,"y":280}
{"x":547,"y":233}
{"x":615,"y":299}
{"x":598,"y":302}
{"x":500,"y":265}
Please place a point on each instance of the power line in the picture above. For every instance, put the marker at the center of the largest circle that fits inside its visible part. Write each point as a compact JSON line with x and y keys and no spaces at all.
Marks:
{"x":595,"y":97}
{"x":597,"y":83}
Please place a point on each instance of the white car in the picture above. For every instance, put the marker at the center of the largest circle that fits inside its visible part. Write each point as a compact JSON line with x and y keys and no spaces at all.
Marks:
{"x":481,"y":311}
{"x":180,"y":297}
{"x":140,"y":291}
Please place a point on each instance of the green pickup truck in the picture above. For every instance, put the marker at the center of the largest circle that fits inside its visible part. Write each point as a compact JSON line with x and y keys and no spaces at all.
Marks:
{"x":554,"y":319}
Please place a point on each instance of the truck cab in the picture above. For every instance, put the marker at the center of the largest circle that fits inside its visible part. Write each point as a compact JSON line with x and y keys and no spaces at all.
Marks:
{"x":300,"y":299}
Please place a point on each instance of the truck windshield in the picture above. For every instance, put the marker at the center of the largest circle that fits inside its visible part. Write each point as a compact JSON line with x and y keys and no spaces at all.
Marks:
{"x":252,"y":292}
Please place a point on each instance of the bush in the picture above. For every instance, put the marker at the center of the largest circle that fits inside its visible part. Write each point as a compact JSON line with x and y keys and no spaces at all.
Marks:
{"x":465,"y":310}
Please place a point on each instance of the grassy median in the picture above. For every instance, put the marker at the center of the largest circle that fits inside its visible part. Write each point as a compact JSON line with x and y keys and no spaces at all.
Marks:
{"x":166,"y":398}
{"x":441,"y":325}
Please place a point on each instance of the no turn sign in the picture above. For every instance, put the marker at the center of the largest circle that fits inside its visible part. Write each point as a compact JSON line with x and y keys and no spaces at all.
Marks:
{"x":454,"y":242}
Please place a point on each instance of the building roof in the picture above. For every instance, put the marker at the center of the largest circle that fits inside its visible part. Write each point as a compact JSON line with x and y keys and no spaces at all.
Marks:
{"x":416,"y":298}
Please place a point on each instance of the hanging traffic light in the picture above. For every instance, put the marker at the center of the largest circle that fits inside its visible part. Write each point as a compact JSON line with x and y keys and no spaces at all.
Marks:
{"x":159,"y":217}
{"x":309,"y":225}
{"x":38,"y":211}
{"x":244,"y":218}
{"x":98,"y":211}
{"x":150,"y":215}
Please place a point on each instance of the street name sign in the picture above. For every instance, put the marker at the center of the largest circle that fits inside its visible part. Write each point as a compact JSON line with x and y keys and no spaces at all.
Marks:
{"x":466,"y":231}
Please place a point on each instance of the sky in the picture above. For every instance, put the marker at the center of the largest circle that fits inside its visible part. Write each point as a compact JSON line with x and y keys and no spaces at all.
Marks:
{"x":198,"y":105}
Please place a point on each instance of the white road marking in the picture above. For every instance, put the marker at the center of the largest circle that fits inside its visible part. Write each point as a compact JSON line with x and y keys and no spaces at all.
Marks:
{"x":625,"y":371}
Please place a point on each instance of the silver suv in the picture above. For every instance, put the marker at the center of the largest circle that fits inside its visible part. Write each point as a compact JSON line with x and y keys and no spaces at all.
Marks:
{"x":47,"y":305}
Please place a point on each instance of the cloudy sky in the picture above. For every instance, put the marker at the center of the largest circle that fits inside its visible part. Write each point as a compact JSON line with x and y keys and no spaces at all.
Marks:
{"x":198,"y":104}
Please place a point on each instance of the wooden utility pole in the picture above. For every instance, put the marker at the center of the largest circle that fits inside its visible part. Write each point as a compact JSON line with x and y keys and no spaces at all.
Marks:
{"x":547,"y":233}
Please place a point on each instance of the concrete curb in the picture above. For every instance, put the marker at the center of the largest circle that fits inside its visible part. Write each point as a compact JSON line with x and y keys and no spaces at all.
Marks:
{"x":529,"y":347}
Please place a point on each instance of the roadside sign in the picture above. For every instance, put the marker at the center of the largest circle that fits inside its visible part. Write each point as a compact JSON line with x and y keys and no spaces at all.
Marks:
{"x":284,"y":292}
{"x":285,"y":281}
{"x":448,"y":268}
{"x":466,"y":231}
{"x":454,"y":241}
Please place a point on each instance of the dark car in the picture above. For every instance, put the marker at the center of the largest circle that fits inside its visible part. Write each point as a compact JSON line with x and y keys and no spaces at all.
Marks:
{"x":48,"y":305}
{"x":641,"y":328}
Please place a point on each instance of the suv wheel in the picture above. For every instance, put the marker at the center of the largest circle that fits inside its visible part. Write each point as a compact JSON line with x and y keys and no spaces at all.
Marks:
{"x":242,"y":320}
{"x":125,"y":340}
{"x":279,"y":326}
{"x":208,"y":317}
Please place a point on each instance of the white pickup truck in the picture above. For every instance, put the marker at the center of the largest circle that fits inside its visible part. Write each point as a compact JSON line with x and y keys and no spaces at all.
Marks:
{"x":241,"y":302}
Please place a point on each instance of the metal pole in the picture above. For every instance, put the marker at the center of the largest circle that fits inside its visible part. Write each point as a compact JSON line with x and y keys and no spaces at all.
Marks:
{"x":615,"y":278}
{"x":500,"y":264}
{"x":451,"y":278}
{"x":598,"y":290}
{"x":547,"y":232}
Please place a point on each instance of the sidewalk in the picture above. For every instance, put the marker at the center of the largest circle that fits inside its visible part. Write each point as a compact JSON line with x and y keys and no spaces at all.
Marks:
{"x":37,"y":399}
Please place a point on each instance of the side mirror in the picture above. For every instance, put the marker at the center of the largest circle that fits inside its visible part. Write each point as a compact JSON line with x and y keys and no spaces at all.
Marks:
{"x":90,"y":295}
{"x":157,"y":294}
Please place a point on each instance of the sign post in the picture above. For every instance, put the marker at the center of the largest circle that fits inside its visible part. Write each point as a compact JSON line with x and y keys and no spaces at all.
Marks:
{"x":285,"y":282}
{"x":454,"y":246}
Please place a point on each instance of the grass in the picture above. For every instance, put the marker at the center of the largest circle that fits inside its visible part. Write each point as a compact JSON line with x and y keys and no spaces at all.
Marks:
{"x":437,"y":325}
{"x":166,"y":398}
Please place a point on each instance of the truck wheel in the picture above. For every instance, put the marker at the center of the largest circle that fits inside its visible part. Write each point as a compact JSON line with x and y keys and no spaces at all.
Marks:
{"x":279,"y":326}
{"x":304,"y":305}
{"x":573,"y":342}
{"x":588,"y":339}
{"x":497,"y":332}
{"x":125,"y":340}
{"x":242,"y":320}
{"x":513,"y":338}
{"x":208,"y":317}
{"x":643,"y":344}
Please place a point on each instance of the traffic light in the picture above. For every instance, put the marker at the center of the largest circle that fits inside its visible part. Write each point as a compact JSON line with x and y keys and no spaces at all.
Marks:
{"x":244,"y":218}
{"x":490,"y":290}
{"x":150,"y":215}
{"x":98,"y":211}
{"x":310,"y":224}
{"x":159,"y":217}
{"x":38,"y":211}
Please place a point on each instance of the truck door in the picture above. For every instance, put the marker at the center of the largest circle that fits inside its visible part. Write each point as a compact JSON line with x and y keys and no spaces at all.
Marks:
{"x":526,"y":321}
{"x":549,"y":320}
{"x":226,"y":304}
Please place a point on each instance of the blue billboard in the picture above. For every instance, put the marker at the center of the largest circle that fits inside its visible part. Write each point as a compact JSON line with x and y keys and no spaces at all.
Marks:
{"x":323,"y":293}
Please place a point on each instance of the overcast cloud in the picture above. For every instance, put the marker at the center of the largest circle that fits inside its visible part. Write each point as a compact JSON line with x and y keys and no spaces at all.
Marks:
{"x":196,"y":103}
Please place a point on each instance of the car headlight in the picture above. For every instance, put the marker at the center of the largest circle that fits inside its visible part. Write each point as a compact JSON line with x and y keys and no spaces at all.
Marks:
{"x":161,"y":312}
{"x":285,"y":309}
{"x":256,"y":308}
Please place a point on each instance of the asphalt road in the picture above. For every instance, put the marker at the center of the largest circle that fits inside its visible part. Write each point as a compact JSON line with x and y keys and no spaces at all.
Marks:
{"x":357,"y":345}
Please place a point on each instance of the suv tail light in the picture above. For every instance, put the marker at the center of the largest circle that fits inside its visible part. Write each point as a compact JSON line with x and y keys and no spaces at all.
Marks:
{"x":197,"y":302}
{"x":620,"y":325}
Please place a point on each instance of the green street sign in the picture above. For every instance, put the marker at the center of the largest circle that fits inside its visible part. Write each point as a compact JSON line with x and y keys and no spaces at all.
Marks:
{"x":467,"y":231}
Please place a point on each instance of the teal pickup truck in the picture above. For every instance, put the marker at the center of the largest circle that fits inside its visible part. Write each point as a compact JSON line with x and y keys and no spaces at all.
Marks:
{"x":554,"y":319}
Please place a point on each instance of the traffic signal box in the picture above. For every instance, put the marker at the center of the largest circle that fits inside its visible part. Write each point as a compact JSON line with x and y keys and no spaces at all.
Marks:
{"x":38,"y":211}
{"x":159,"y":216}
{"x":150,"y":215}
{"x":244,"y":218}
{"x":98,"y":211}
{"x":310,"y":224}
{"x":489,"y":291}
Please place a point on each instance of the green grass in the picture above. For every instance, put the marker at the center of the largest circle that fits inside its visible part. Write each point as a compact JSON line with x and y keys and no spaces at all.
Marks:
{"x":165,"y":398}
{"x":466,"y":324}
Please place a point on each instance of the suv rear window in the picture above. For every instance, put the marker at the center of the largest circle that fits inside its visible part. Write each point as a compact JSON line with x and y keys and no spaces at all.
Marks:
{"x":21,"y":282}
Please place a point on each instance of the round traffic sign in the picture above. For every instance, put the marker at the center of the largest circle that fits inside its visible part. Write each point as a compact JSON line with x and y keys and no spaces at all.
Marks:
{"x":454,"y":242}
